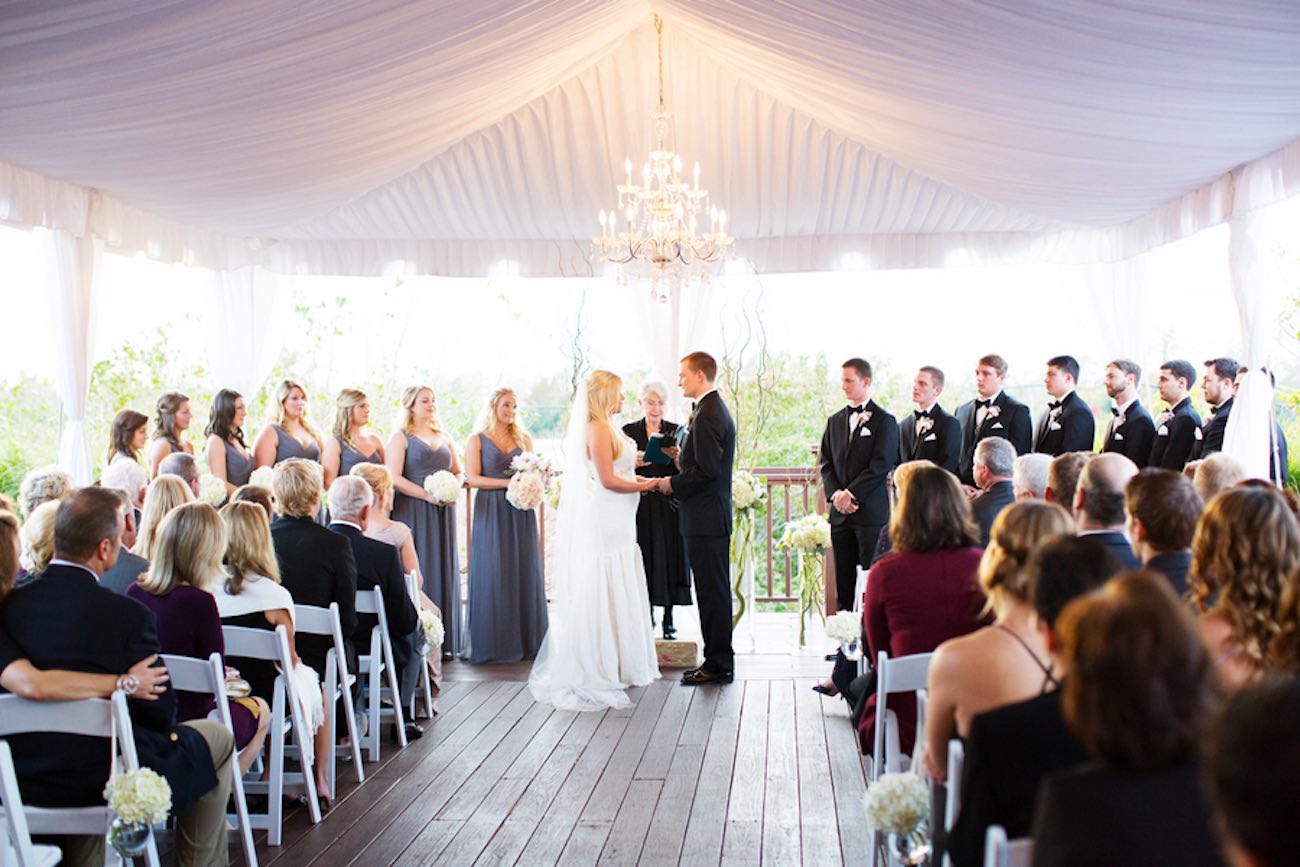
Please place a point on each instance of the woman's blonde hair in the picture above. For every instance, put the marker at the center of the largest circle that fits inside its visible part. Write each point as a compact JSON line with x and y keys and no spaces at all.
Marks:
{"x":378,"y":478}
{"x":191,"y":542}
{"x":348,"y":400}
{"x":38,"y":536}
{"x":489,"y":416}
{"x":410,"y":395}
{"x":1016,"y":533}
{"x":282,"y":392}
{"x":165,"y":493}
{"x":249,"y":549}
{"x":297,"y":486}
{"x":603,"y":390}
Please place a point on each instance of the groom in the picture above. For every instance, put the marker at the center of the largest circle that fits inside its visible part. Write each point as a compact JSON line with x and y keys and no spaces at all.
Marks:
{"x":703,"y":489}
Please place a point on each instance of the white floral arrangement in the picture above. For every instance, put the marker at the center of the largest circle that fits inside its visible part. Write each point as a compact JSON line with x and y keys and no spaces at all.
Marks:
{"x":444,"y":486}
{"x":140,"y":796}
{"x":211,"y":490}
{"x":553,"y":492}
{"x":262,"y":477}
{"x":747,"y":490}
{"x":844,"y":627}
{"x":532,"y":475}
{"x":897,"y":803}
{"x":531,"y":462}
{"x":433,"y":628}
{"x":811,"y":534}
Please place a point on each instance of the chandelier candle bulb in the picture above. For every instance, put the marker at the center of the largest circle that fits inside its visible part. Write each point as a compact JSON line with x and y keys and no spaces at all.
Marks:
{"x":627,"y":166}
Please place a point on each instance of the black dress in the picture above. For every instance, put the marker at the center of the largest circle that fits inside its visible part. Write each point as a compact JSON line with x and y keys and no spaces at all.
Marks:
{"x":658,"y":533}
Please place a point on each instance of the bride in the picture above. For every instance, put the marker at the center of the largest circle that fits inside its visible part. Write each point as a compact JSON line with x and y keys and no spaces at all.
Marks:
{"x":601,"y":639}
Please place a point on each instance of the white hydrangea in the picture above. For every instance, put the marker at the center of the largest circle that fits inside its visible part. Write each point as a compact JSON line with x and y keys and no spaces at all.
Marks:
{"x":443,"y":486}
{"x":139,"y":796}
{"x":844,"y":627}
{"x":897,"y":803}
{"x":433,"y":628}
{"x":212,"y":490}
{"x":746,"y":490}
{"x":811,"y":534}
{"x":262,"y":477}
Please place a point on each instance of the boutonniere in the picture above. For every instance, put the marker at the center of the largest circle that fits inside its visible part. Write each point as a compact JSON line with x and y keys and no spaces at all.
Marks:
{"x":866,"y":416}
{"x":924,"y":425}
{"x":1117,"y":422}
{"x":1164,"y":417}
{"x":1055,"y":414}
{"x":994,"y":412}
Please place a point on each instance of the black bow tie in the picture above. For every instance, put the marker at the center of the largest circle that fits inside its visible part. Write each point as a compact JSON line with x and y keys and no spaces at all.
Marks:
{"x":861,"y":408}
{"x":1114,"y":410}
{"x":982,"y":404}
{"x":1054,"y":405}
{"x":921,"y":413}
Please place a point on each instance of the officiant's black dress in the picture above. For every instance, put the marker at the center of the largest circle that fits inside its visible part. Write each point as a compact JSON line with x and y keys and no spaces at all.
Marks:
{"x":658,"y":534}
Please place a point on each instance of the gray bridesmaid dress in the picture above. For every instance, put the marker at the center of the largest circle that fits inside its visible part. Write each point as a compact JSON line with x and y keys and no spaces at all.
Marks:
{"x":350,"y":457}
{"x":507,"y":596}
{"x":433,"y":530}
{"x":287,"y":447}
{"x":239,"y":464}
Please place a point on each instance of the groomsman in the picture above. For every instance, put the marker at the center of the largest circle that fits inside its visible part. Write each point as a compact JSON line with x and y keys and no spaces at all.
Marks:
{"x":859,"y":450}
{"x":1131,"y":430}
{"x":1219,"y":385}
{"x":930,"y":433}
{"x":1068,"y":425}
{"x":993,"y":414}
{"x":1178,"y":428}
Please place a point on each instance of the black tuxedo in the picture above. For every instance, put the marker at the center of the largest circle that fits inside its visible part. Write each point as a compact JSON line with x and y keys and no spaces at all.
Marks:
{"x":317,"y":568}
{"x":940,"y":444}
{"x":1118,"y":545}
{"x":1278,"y":441}
{"x":1176,"y":433}
{"x":124,"y":572}
{"x":1211,"y":440}
{"x":703,"y":491}
{"x":987,"y":506}
{"x":66,"y":620}
{"x":1011,"y":422}
{"x":379,"y":565}
{"x":1174,"y":565}
{"x":1073,"y":429}
{"x":1134,"y":436}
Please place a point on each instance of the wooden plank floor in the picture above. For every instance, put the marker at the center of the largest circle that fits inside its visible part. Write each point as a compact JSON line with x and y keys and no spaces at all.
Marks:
{"x":762,"y":771}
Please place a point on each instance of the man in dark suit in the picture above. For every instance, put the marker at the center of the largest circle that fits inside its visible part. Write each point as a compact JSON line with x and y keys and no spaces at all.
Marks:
{"x":995,"y":462}
{"x":859,"y":450}
{"x":993,"y":414}
{"x":1179,"y":428}
{"x":930,"y":433}
{"x":1219,"y":385}
{"x":703,"y":490}
{"x":1068,"y":425}
{"x":1131,"y":430}
{"x":1010,"y":749}
{"x":1099,"y":505}
{"x":378,"y":565}
{"x":128,"y":567}
{"x":1162,"y":508}
{"x":65,"y":619}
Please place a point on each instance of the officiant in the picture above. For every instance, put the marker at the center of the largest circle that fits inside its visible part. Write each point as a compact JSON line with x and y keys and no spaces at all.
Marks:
{"x":663,"y":549}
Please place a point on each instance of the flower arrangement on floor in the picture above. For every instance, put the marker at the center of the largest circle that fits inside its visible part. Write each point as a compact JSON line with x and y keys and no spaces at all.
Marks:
{"x":212,"y":490}
{"x":532,"y":474}
{"x":262,"y":477}
{"x":747,"y":494}
{"x":138,"y":799}
{"x":846,"y":628}
{"x":899,"y":804}
{"x":810,"y":536}
{"x":443,"y":486}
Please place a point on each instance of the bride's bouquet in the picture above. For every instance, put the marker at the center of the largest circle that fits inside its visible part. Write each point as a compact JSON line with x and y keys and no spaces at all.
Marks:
{"x":443,"y":486}
{"x":532,"y":474}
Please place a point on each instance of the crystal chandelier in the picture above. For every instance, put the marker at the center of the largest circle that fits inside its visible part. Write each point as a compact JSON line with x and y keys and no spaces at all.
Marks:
{"x":653,"y":233}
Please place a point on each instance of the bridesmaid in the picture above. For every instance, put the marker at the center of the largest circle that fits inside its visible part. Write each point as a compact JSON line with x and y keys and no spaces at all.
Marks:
{"x":417,"y":451}
{"x":658,"y":534}
{"x":289,"y":435}
{"x":507,"y":596}
{"x":351,"y":444}
{"x":227,"y":453}
{"x":127,"y":438}
{"x":170,"y":424}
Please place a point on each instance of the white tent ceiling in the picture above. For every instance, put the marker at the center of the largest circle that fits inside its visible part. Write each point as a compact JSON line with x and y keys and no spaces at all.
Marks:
{"x":335,"y":137}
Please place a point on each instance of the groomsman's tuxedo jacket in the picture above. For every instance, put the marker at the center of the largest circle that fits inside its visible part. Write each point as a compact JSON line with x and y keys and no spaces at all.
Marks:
{"x":858,"y":461}
{"x":1176,"y":434}
{"x":1072,"y":430}
{"x":1011,"y":422}
{"x":1132,"y":434}
{"x":1211,"y":440}
{"x":941,"y":443}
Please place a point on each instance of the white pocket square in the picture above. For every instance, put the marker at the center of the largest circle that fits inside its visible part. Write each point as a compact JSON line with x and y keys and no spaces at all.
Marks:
{"x":1197,"y":433}
{"x":1163,"y":432}
{"x":1119,"y":436}
{"x":931,"y":438}
{"x":866,"y":432}
{"x":1056,"y":425}
{"x":997,"y":425}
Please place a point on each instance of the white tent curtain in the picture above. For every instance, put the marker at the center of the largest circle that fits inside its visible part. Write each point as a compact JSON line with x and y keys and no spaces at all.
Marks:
{"x":1118,"y":294}
{"x":74,"y":269}
{"x":247,"y":304}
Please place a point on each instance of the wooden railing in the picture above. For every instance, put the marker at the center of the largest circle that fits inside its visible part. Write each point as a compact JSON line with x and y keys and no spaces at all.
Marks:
{"x":792,"y":492}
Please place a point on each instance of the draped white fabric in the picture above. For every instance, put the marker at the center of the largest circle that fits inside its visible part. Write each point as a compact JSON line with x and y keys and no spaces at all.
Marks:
{"x":74,"y":267}
{"x":247,"y":304}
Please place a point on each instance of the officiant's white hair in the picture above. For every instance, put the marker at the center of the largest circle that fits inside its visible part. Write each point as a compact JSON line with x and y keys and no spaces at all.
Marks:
{"x":655,"y":387}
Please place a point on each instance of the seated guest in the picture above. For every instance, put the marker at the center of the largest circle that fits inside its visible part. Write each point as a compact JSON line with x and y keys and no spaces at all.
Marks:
{"x":1139,"y":695}
{"x":1003,"y":663}
{"x":187,"y":560}
{"x":1162,"y":508}
{"x":995,"y":460}
{"x":128,"y":566}
{"x":165,"y":493}
{"x":1099,"y":504}
{"x":1063,"y":478}
{"x":1216,"y":472}
{"x":1244,"y":555}
{"x":38,"y":540}
{"x":1253,"y":780}
{"x":65,"y":618}
{"x":1068,"y":425}
{"x":128,"y":435}
{"x":42,"y":485}
{"x":1179,"y":427}
{"x":378,"y":566}
{"x":258,"y":496}
{"x":1010,"y":749}
{"x":8,"y":504}
{"x":926,"y":591}
{"x":1029,"y":477}
{"x":182,"y":465}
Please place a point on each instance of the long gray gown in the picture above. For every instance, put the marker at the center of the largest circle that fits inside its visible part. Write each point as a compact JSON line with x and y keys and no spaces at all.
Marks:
{"x":507,"y":596}
{"x":350,"y":457}
{"x":433,"y":530}
{"x":286,"y":446}
{"x":239,"y":464}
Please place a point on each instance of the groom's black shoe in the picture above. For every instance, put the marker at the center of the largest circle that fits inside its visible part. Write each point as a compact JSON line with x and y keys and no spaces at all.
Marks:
{"x":701,"y":676}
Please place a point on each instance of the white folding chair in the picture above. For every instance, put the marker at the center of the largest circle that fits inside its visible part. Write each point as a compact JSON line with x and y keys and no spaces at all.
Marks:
{"x":285,"y":720}
{"x":374,"y":664}
{"x":425,"y":686}
{"x":311,"y":620}
{"x":93,"y":717}
{"x":18,"y":847}
{"x":956,"y":764}
{"x":904,"y":674}
{"x":1001,"y":852}
{"x":208,"y":676}
{"x":859,"y":588}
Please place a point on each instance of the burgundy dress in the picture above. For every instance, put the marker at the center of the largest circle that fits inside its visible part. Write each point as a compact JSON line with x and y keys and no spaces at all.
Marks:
{"x":914,"y":603}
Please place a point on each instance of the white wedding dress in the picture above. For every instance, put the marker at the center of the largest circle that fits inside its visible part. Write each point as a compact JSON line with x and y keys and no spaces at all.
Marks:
{"x":600,"y":639}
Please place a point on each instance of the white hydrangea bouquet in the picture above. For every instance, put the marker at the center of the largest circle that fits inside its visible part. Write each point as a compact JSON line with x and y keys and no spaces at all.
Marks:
{"x":747,"y":494}
{"x":212,"y":490}
{"x":846,"y":628}
{"x":899,"y":804}
{"x":434,"y":632}
{"x":532,"y":473}
{"x":139,"y":799}
{"x":444,"y":486}
{"x":262,"y":477}
{"x":810,"y":536}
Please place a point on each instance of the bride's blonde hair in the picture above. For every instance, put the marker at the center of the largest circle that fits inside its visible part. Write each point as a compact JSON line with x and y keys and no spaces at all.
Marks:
{"x":603,"y":389}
